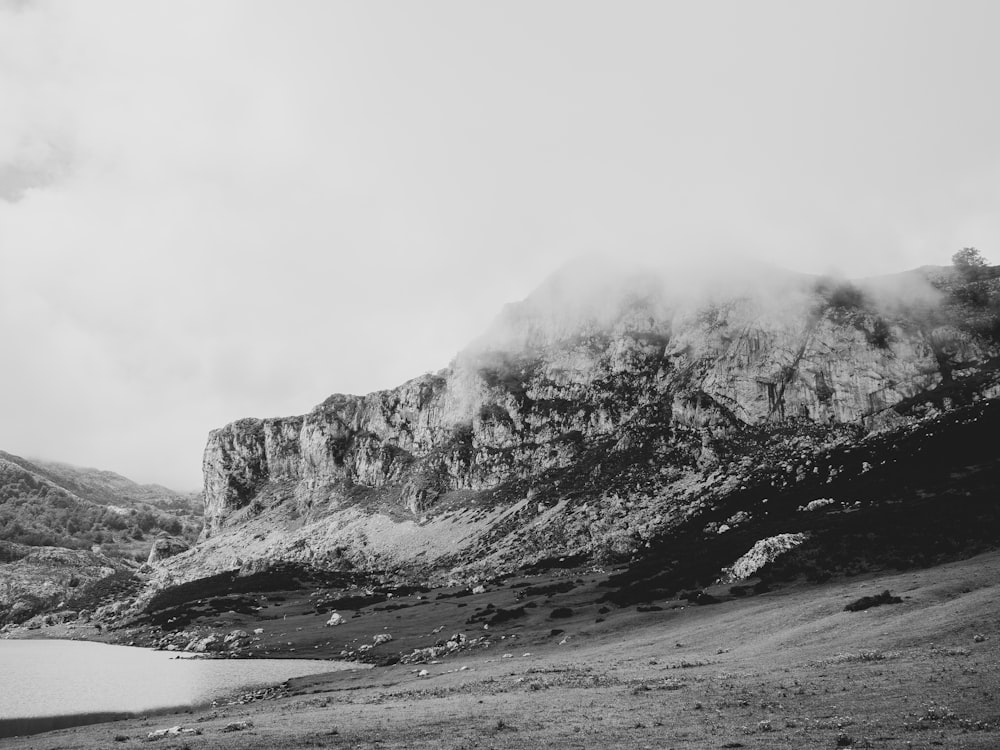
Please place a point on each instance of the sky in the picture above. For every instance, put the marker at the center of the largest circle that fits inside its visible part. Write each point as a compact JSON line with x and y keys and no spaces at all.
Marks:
{"x":218,"y":209}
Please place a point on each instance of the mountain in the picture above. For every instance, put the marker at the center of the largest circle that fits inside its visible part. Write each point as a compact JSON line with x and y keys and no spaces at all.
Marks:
{"x":108,"y":488}
{"x":52,"y":504}
{"x":71,"y":538}
{"x":627,"y":416}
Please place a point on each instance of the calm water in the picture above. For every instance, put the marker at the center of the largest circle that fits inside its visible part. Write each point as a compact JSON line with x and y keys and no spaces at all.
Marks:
{"x":76,"y":678}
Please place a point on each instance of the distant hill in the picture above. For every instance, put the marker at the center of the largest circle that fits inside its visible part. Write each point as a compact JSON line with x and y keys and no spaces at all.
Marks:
{"x":52,"y":504}
{"x":109,"y":488}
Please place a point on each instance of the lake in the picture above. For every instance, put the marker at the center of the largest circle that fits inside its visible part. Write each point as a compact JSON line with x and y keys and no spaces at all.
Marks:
{"x":49,"y":684}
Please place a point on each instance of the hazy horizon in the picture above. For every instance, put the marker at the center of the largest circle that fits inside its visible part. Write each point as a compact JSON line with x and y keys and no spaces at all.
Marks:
{"x":210,"y":211}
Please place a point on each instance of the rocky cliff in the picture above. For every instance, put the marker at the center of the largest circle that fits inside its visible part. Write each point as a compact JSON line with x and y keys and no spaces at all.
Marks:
{"x":598,"y":413}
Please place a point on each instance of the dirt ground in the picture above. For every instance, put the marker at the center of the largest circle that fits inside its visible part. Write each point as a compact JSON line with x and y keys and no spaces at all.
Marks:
{"x":785,"y":669}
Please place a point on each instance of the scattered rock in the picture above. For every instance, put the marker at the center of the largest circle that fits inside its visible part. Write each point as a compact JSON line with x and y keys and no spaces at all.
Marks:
{"x":817,"y":504}
{"x":237,"y":726}
{"x":210,"y":643}
{"x":164,"y":548}
{"x":700,"y":597}
{"x":237,"y":639}
{"x":158,"y":734}
{"x":458,"y":642}
{"x":844,"y":740}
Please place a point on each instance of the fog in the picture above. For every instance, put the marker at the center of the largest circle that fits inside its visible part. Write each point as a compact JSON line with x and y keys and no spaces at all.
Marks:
{"x":227,"y":209}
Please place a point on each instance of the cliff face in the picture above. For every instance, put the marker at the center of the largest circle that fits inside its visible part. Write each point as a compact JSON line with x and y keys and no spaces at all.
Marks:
{"x":587,"y":396}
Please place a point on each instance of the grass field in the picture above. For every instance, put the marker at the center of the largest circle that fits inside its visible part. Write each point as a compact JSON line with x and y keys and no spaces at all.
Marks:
{"x":785,"y":669}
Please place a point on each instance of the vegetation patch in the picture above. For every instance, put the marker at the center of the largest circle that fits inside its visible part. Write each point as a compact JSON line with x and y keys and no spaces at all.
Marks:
{"x":841,"y":295}
{"x":37,"y":512}
{"x":193,"y":596}
{"x":867,"y":655}
{"x":497,"y":615}
{"x":559,"y":587}
{"x":867,"y":602}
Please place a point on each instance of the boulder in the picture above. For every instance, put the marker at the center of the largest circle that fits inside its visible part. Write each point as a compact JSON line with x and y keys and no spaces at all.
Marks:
{"x":764,"y":552}
{"x":209,"y":643}
{"x":158,"y":734}
{"x":166,"y":547}
{"x":237,"y":639}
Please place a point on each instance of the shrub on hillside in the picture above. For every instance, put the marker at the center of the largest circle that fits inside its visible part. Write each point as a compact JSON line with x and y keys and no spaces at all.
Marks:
{"x":969,"y":262}
{"x":841,"y":294}
{"x":867,"y":602}
{"x":878,"y":336}
{"x":37,"y":514}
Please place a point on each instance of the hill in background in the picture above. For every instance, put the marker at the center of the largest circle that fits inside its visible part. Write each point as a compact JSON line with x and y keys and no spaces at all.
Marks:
{"x":57,"y":505}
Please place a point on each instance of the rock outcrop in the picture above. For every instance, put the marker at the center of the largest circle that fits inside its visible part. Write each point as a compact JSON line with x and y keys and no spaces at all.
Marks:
{"x":36,"y":580}
{"x":165,"y":547}
{"x":763,"y":552}
{"x":592,"y":416}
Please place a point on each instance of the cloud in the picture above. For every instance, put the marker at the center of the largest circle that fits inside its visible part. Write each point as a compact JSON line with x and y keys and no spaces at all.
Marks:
{"x":15,"y":5}
{"x":33,"y":165}
{"x":210,"y":211}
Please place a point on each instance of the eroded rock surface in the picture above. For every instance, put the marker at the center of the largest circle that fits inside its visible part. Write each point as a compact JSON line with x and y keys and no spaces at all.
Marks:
{"x":166,"y":547}
{"x":593,"y":416}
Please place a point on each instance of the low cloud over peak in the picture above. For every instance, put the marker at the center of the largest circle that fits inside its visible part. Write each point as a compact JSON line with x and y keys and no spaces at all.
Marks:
{"x":241,"y":214}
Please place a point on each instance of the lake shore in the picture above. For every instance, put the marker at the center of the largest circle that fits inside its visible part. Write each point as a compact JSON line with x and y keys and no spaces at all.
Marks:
{"x":51,"y":684}
{"x":787,"y":669}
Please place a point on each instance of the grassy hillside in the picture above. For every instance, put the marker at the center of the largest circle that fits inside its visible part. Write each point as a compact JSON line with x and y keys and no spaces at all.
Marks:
{"x":57,"y":505}
{"x":109,"y":488}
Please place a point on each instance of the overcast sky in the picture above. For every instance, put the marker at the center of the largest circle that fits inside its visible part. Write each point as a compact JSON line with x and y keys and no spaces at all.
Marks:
{"x":211,"y":210}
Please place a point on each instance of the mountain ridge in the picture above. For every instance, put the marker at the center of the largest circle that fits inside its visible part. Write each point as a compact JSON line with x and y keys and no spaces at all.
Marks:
{"x":107,"y":487}
{"x":596,"y":431}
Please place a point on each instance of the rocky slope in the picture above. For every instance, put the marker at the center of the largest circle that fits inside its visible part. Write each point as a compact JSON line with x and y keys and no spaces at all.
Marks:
{"x":47,"y":585}
{"x":65,"y":530}
{"x":596,"y":416}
